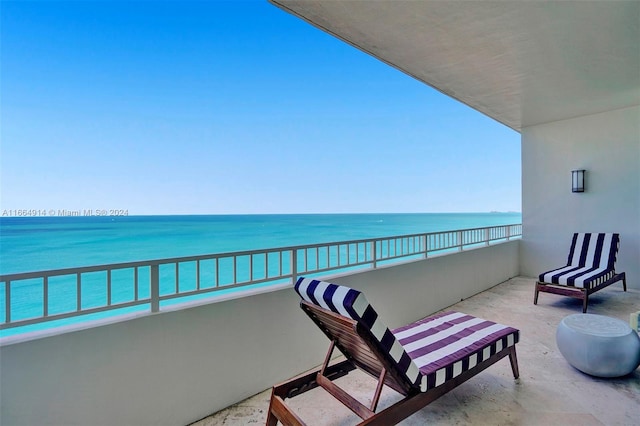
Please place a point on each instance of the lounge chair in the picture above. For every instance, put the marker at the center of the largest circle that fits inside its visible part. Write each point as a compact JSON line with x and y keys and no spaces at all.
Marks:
{"x":421,"y":361}
{"x":590,"y":267}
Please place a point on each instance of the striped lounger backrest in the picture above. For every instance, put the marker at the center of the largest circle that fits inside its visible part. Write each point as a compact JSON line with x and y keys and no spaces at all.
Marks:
{"x":594,"y":250}
{"x":353,"y":304}
{"x":591,"y":261}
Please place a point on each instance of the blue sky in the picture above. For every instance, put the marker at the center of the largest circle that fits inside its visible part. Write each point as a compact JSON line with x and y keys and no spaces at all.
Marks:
{"x":228,"y":107}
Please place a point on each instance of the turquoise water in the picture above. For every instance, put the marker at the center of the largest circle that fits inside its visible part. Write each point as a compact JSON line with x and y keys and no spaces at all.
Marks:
{"x":41,"y":243}
{"x":44,"y":243}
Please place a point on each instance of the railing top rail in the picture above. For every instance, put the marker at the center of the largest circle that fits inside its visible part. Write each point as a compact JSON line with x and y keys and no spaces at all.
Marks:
{"x":145,"y":263}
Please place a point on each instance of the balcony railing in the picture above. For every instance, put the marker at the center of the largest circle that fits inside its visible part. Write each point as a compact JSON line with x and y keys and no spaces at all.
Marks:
{"x":42,"y":296}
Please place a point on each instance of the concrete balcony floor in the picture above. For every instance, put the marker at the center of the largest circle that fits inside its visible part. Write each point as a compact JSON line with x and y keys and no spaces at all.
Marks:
{"x":548,"y":392}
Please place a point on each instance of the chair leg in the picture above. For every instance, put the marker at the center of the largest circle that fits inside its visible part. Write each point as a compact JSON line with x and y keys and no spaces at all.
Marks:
{"x":585,"y":301}
{"x":514,"y":362}
{"x":272,"y":420}
{"x":535,"y":296}
{"x":278,"y":411}
{"x":624,"y":283}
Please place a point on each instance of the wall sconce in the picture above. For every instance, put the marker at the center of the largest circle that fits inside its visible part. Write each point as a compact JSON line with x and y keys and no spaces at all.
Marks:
{"x":577,"y":181}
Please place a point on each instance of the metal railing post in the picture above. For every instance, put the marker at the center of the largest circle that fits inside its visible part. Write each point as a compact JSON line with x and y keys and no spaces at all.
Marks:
{"x":460,"y":242}
{"x":7,"y":301}
{"x":294,"y":266}
{"x":375,"y":254}
{"x":425,"y":242}
{"x":155,"y":288}
{"x":78,"y":292}
{"x":487,"y":236}
{"x":45,"y":296}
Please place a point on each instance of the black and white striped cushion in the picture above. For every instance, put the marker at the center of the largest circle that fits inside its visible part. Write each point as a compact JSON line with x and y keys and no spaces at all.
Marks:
{"x":591,"y":261}
{"x":427,"y":352}
{"x":446,"y":345}
{"x":353,"y":304}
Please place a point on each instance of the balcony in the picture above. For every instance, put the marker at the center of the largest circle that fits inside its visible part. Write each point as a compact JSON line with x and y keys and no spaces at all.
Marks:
{"x":188,"y":360}
{"x":549,"y":390}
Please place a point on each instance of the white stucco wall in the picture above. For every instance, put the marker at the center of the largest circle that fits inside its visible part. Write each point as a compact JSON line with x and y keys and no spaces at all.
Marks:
{"x":173,"y":368}
{"x":607,"y":145}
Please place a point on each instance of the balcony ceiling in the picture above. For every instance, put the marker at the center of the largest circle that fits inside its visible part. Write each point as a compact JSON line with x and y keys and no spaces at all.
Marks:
{"x":521,"y":63}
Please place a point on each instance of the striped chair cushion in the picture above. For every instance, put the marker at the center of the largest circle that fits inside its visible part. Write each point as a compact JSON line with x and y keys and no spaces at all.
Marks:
{"x":446,"y":345}
{"x":352,"y":304}
{"x":427,"y":352}
{"x":591,"y":261}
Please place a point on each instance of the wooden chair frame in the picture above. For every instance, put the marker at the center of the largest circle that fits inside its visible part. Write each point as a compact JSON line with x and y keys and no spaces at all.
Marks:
{"x":358,"y":345}
{"x":577,"y":292}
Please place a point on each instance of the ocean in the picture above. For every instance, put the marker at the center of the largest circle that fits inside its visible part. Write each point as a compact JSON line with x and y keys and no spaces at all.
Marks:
{"x":42,"y":243}
{"x":29,"y":244}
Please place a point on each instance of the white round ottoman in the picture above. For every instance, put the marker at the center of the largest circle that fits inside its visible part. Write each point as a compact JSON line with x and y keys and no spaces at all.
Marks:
{"x":598,"y":345}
